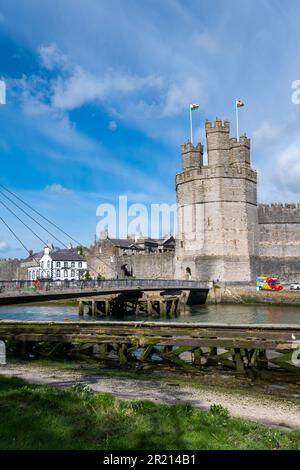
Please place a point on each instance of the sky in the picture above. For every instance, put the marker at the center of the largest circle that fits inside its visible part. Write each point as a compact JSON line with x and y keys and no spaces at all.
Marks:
{"x":98,"y":95}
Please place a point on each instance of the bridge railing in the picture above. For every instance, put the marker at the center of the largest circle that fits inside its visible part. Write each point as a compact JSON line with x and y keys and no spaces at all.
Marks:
{"x":58,"y":285}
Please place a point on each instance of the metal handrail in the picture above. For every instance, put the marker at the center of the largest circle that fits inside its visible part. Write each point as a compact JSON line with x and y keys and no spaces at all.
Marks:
{"x":48,"y":284}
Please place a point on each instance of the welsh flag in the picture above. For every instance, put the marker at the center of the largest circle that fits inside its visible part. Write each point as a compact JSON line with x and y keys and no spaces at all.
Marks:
{"x":194,"y":106}
{"x":239,"y":103}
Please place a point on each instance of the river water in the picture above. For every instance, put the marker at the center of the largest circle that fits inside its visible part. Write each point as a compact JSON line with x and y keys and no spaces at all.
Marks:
{"x":201,"y":313}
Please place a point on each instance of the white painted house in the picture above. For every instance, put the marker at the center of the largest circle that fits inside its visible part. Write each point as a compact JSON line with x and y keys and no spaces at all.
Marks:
{"x":65,"y":264}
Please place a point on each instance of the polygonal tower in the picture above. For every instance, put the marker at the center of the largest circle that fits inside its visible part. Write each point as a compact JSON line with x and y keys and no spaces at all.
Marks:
{"x":217,"y":209}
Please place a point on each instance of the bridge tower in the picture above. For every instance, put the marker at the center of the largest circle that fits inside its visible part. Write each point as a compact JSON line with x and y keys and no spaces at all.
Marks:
{"x":217,"y":209}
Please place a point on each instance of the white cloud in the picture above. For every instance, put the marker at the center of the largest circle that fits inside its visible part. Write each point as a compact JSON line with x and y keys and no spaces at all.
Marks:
{"x":4,"y":246}
{"x":51,"y":57}
{"x":267,"y":133}
{"x":82,"y":87}
{"x":57,"y":188}
{"x":180,"y":94}
{"x":286,"y":167}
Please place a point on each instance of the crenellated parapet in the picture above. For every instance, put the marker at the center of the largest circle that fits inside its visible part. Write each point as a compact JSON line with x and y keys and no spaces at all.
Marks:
{"x":192,"y":156}
{"x":217,"y":126}
{"x":239,"y":151}
{"x":279,"y":213}
{"x":206,"y":172}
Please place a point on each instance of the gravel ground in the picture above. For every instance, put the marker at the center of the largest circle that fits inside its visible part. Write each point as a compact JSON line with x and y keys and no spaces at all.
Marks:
{"x":264,"y":409}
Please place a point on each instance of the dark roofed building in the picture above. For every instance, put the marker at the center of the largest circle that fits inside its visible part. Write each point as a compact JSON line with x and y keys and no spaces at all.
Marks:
{"x":57,"y":264}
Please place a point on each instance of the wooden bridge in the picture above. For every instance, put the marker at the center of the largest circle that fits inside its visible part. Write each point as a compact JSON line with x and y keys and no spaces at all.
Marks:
{"x":235,"y":346}
{"x":20,"y":292}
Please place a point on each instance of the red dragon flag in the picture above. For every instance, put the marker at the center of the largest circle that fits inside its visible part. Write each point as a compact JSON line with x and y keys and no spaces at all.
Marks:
{"x":194,"y":106}
{"x":239,"y":103}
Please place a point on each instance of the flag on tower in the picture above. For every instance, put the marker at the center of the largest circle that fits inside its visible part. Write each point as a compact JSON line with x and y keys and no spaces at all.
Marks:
{"x":239,"y":103}
{"x":194,"y":106}
{"x":2,"y":92}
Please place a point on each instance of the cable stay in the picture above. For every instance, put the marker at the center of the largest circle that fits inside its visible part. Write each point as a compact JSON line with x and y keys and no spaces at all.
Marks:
{"x":49,"y":221}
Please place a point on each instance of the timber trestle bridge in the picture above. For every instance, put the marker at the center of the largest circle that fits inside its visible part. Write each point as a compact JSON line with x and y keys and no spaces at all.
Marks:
{"x":238,"y":347}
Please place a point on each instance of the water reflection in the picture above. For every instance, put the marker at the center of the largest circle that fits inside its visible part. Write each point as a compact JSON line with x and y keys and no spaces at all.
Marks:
{"x":202,"y":313}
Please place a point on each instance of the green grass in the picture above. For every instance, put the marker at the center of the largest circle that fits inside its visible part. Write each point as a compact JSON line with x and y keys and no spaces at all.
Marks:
{"x":40,"y":417}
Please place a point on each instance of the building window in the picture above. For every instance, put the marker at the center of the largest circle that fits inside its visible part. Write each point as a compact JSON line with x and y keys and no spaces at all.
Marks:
{"x":42,"y":264}
{"x":48,"y":274}
{"x":48,"y":264}
{"x":65,"y":264}
{"x":66,"y":273}
{"x":33,"y":274}
{"x":58,"y":273}
{"x":58,"y":264}
{"x":80,"y":264}
{"x":72,"y":264}
{"x":73,"y":273}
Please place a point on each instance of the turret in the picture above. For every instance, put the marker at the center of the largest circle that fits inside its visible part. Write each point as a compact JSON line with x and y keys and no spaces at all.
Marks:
{"x":217,"y":136}
{"x":192,"y":157}
{"x":240,"y":151}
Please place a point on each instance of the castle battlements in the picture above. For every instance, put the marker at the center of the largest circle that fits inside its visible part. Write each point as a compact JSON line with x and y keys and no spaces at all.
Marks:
{"x":189,"y":147}
{"x":243,"y":142}
{"x":279,"y":205}
{"x":206,"y":172}
{"x":217,"y":126}
{"x":278,"y":213}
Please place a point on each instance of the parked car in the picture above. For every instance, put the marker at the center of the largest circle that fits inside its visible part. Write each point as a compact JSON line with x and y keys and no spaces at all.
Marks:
{"x":295,"y":286}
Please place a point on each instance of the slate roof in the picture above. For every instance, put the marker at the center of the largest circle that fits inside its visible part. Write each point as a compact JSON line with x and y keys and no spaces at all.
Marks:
{"x":125,"y":243}
{"x":122,"y":242}
{"x":66,"y":255}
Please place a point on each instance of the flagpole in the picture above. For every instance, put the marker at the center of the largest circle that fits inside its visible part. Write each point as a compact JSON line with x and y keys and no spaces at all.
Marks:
{"x":191,"y":125}
{"x":237,"y":121}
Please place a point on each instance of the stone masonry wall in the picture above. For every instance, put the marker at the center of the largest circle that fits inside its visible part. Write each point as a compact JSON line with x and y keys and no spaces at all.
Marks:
{"x":148,"y":265}
{"x":10,"y":269}
{"x":279,"y":241}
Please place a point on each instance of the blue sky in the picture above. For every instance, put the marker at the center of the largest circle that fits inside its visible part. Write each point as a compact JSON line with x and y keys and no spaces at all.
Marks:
{"x":98,"y":94}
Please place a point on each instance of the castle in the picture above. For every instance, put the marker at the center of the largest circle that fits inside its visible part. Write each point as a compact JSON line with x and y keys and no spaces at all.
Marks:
{"x":223,"y":234}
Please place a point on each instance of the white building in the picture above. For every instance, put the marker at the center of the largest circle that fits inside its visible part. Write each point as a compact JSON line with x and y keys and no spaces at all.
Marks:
{"x":59,"y":265}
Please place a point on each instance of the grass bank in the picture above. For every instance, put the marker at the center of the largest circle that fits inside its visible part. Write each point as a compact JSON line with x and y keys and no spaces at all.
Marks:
{"x":40,"y":417}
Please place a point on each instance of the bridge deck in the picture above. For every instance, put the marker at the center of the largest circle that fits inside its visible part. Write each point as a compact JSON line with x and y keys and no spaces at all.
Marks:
{"x":19,"y":292}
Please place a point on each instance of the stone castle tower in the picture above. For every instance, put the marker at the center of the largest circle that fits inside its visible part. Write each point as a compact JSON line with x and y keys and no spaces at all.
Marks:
{"x":217,"y":209}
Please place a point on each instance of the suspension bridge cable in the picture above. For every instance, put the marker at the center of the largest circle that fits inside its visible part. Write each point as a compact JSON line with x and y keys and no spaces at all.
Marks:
{"x":20,"y":241}
{"x":32,"y":231}
{"x":41,"y":215}
{"x":52,"y":223}
{"x":32,"y":218}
